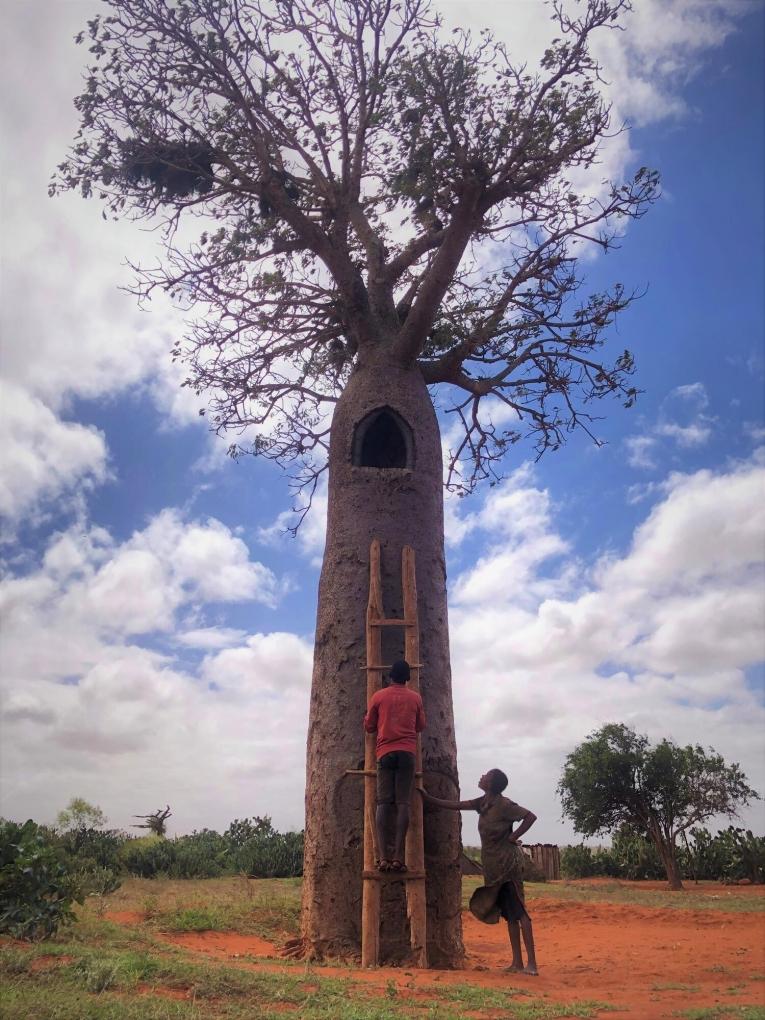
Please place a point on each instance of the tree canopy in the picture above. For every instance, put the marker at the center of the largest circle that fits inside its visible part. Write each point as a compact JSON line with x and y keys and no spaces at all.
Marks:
{"x":615,"y":777}
{"x":80,"y":814}
{"x":342,"y":179}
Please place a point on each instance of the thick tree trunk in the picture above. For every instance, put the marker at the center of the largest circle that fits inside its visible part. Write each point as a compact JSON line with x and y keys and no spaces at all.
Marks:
{"x":669,"y":860}
{"x":399,"y":506}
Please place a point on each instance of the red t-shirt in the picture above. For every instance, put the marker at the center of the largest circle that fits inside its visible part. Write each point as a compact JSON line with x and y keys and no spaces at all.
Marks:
{"x":397,"y":715}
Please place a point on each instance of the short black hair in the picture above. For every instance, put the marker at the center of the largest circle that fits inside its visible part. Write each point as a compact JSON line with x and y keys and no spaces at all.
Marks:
{"x":497,"y":780}
{"x":399,"y":672}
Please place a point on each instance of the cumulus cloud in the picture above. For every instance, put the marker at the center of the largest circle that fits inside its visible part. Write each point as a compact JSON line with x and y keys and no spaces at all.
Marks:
{"x":70,"y":333}
{"x":90,"y":592}
{"x":92,"y":706}
{"x":661,"y":637}
{"x":43,"y":456}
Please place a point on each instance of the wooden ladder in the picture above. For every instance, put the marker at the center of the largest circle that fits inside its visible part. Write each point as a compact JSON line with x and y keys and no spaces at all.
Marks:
{"x":415,"y":854}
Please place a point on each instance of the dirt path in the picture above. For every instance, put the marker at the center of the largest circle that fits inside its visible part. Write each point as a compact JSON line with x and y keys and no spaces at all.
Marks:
{"x":647,"y":962}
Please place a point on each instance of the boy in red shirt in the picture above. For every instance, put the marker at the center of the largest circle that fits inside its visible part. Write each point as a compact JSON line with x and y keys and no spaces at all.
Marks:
{"x":397,"y":716}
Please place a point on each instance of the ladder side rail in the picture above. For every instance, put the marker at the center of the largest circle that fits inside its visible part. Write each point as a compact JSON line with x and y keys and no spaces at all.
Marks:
{"x":370,"y":901}
{"x":416,"y":905}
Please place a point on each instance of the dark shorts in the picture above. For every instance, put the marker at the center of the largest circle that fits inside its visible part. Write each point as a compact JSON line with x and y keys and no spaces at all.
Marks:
{"x":510,"y":904}
{"x":395,"y":772}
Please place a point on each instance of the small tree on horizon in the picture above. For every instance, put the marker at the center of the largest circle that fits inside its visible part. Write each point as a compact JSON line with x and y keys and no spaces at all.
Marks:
{"x":615,"y":777}
{"x":369,"y":216}
{"x":79,"y":814}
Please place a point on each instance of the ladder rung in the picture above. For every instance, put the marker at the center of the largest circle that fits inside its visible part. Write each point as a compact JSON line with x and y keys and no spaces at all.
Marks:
{"x":392,"y":623}
{"x":372,"y":772}
{"x":393,"y":876}
{"x":412,"y":665}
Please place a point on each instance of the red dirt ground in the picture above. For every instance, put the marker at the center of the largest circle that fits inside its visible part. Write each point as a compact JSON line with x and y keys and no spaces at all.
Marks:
{"x":647,"y":962}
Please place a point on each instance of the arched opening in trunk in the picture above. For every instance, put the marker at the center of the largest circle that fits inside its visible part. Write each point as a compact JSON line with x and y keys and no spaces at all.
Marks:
{"x":383,"y":440}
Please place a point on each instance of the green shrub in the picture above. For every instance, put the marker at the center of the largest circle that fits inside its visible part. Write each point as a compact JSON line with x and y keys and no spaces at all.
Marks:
{"x":577,"y":861}
{"x":93,"y":880}
{"x":731,"y":855}
{"x":277,"y":855}
{"x":633,"y":856}
{"x":100,"y":847}
{"x":204,"y":854}
{"x":242,"y":830}
{"x":742,"y":855}
{"x":148,"y":856}
{"x":37,"y":887}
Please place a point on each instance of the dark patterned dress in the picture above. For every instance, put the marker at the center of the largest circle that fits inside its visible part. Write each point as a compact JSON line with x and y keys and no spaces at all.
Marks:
{"x":502,"y":894}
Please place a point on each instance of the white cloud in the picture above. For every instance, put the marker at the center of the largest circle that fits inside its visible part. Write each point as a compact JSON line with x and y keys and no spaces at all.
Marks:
{"x":660,"y":637}
{"x":545,"y":649}
{"x":69,"y":331}
{"x":211,"y":638}
{"x":682,"y":420}
{"x":640,"y":450}
{"x":206,"y":560}
{"x":43,"y":456}
{"x":312,"y":531}
{"x":695,"y":434}
{"x":265,"y":665}
{"x":518,"y":516}
{"x":89,"y":709}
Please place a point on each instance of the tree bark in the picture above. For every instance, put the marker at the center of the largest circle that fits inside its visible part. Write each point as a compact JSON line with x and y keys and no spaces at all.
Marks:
{"x":669,"y":860}
{"x":399,"y":506}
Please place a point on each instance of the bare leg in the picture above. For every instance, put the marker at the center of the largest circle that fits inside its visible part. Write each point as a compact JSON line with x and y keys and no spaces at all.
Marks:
{"x":402,"y":824}
{"x":528,"y":941}
{"x":383,"y":819}
{"x":514,"y":931}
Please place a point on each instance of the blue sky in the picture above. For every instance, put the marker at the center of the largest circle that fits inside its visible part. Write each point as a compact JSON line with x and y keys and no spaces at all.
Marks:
{"x":158,"y":623}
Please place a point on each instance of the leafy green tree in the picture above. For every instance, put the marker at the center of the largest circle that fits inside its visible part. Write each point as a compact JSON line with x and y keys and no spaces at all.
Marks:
{"x":243,"y":829}
{"x":356,"y":207}
{"x":79,"y":814}
{"x":615,"y":777}
{"x":37,"y":884}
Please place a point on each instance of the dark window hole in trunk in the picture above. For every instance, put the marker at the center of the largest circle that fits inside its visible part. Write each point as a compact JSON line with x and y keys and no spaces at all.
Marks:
{"x":383,"y":440}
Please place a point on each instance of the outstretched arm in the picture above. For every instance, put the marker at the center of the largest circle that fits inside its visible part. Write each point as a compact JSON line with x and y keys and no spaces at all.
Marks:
{"x":450,"y":805}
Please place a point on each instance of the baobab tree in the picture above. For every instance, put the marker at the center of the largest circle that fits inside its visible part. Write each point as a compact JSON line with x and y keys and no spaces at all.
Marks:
{"x":367,"y":214}
{"x":156,"y":822}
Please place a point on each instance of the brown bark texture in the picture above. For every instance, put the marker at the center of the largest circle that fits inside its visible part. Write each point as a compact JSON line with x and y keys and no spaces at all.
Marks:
{"x":398,"y":506}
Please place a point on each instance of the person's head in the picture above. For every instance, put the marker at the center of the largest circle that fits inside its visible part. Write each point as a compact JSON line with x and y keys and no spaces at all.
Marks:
{"x":493,"y":781}
{"x":399,"y":672}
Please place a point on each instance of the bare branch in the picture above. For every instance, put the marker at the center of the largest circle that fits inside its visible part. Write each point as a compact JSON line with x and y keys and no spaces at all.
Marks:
{"x":332,"y":177}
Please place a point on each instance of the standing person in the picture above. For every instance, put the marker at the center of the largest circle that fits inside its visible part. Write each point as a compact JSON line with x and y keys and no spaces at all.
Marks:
{"x":502,"y":859}
{"x":396,"y":714}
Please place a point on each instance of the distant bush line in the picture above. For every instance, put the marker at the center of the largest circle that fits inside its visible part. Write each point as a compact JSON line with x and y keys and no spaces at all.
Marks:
{"x":44,"y":870}
{"x":730,"y":856}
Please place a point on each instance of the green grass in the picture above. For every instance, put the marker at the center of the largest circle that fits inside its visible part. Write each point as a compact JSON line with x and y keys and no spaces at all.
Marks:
{"x":96,"y":969}
{"x":94,"y":974}
{"x":476,"y":999}
{"x":101,"y":983}
{"x":621,"y":892}
{"x":724,"y":1013}
{"x":269,"y":908}
{"x":673,"y":986}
